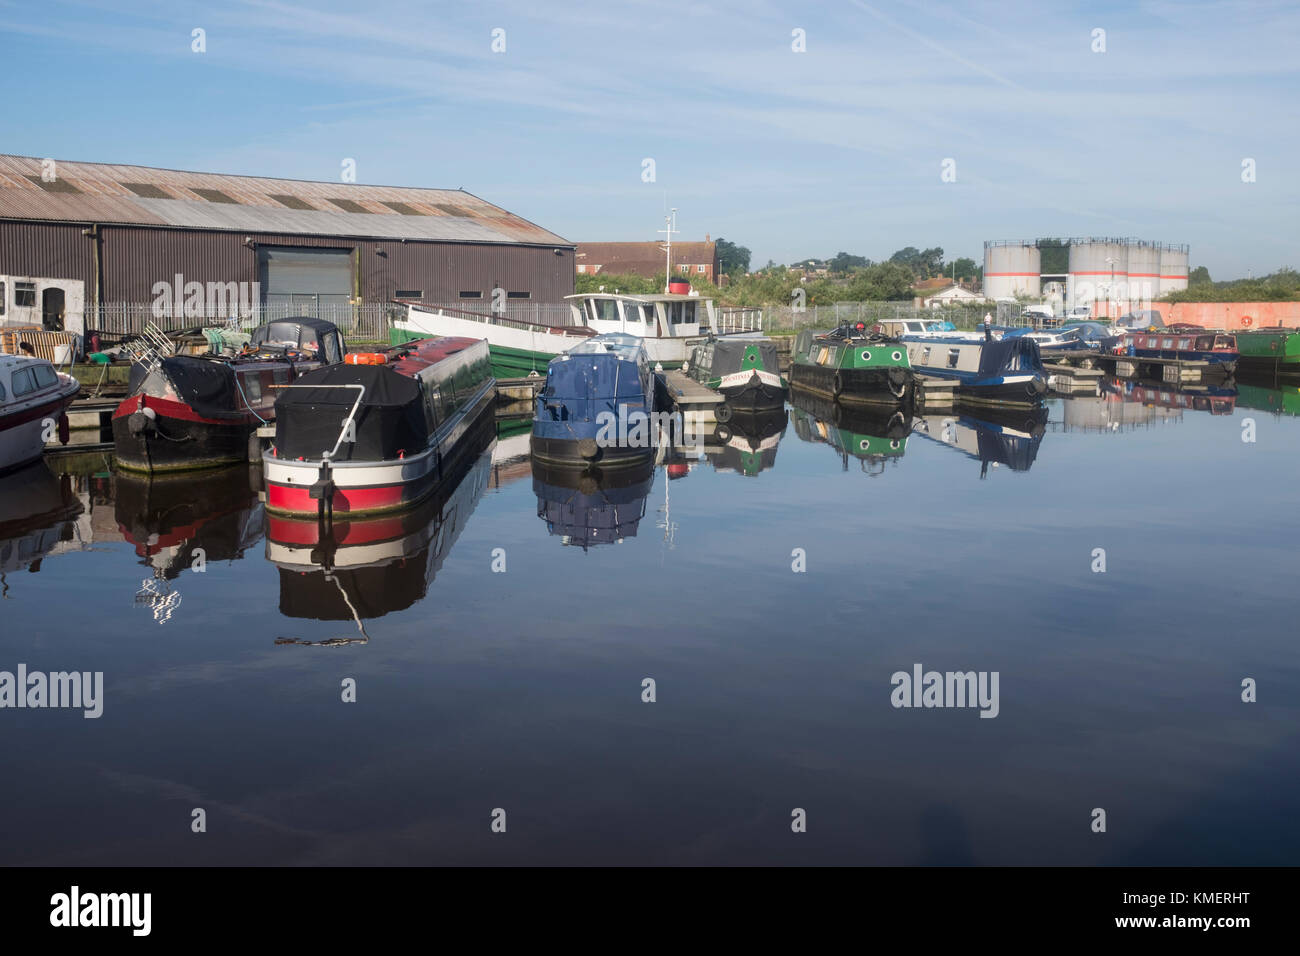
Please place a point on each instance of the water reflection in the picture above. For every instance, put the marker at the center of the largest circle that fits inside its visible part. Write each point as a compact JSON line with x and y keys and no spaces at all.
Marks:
{"x":1279,"y":401}
{"x":1217,"y":399}
{"x":995,"y":438}
{"x":747,"y":444}
{"x":589,"y":507}
{"x":874,"y":438}
{"x":364,"y":569}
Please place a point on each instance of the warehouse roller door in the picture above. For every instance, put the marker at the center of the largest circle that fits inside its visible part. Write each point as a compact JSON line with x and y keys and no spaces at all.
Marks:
{"x":314,"y":282}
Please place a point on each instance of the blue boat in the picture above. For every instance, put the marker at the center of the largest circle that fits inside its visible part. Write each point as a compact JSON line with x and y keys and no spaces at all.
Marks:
{"x":1004,"y":372}
{"x":598,"y":405}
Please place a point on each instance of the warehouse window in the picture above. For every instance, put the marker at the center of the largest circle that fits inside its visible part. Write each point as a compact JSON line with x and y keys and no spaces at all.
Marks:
{"x":519,"y":295}
{"x":25,"y":294}
{"x":409,"y":294}
{"x":471,"y":295}
{"x":54,"y":185}
{"x":403,"y":208}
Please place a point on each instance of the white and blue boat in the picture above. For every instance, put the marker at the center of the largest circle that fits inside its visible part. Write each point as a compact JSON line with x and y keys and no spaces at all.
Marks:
{"x":598,"y":405}
{"x":1003,"y":372}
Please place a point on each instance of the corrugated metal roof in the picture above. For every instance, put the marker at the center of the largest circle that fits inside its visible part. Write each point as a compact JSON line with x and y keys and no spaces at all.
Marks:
{"x":102,"y":195}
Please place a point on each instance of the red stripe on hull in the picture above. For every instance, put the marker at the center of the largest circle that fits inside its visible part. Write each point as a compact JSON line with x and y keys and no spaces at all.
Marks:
{"x":166,"y":408}
{"x":296,"y":499}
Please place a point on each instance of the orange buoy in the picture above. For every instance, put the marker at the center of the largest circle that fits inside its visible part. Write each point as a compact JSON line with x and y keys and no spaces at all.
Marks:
{"x":366,"y":358}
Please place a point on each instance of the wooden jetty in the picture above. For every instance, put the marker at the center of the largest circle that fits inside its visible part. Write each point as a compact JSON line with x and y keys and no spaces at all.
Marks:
{"x":693,"y":400}
{"x":1172,"y":370}
{"x":1071,"y":379}
{"x":934,"y":392}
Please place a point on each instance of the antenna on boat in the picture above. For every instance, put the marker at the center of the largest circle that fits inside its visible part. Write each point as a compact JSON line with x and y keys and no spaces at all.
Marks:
{"x":670,"y":227}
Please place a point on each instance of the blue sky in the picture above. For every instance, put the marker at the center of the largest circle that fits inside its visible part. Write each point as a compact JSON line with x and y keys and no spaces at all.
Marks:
{"x":792,"y":154}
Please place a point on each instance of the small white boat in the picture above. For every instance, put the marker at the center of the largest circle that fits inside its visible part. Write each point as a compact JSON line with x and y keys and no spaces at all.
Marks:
{"x":34,"y":399}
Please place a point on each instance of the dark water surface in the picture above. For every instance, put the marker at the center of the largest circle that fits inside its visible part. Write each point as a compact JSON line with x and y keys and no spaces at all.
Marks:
{"x":522,"y":690}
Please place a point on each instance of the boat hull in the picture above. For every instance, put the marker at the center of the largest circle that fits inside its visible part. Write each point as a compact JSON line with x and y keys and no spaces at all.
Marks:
{"x":176,"y":438}
{"x":884,"y":385}
{"x":23,"y":431}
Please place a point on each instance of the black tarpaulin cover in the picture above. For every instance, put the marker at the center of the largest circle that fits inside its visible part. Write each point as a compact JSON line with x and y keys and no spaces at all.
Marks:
{"x":391,"y":419}
{"x":207,"y":387}
{"x":1015,"y":354}
{"x":729,"y":354}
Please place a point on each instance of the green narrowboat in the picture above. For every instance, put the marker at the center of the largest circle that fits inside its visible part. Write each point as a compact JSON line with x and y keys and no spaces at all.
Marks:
{"x":854,"y":366}
{"x":744,"y":370}
{"x":1269,"y":350}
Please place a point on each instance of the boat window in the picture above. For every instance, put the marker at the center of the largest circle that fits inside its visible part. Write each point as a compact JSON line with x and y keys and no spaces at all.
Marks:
{"x":953,"y":355}
{"x":2,"y":394}
{"x":925,"y":356}
{"x":23,"y":381}
{"x":1167,"y":344}
{"x":25,"y":294}
{"x":606,"y":310}
{"x":333,"y":353}
{"x":1225,"y":342}
{"x":688,"y":312}
{"x":633,"y":312}
{"x":45,"y":376}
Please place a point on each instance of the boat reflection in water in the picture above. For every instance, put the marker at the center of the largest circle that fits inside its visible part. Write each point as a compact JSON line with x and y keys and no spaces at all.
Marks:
{"x":1216,"y":399}
{"x":38,"y":512}
{"x":1007,"y":437}
{"x":364,"y":568}
{"x":874,"y":438}
{"x":1279,"y":401}
{"x":586,"y":507}
{"x":183,"y":522}
{"x":747,"y":444}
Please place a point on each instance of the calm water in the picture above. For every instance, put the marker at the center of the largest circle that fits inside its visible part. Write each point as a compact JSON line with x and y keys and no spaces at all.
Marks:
{"x":934,"y":542}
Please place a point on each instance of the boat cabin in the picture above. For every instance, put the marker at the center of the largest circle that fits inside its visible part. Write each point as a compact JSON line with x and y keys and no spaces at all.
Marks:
{"x":317,"y":337}
{"x":24,"y":380}
{"x":1169,"y":342}
{"x":901,"y":327}
{"x":647,"y":316}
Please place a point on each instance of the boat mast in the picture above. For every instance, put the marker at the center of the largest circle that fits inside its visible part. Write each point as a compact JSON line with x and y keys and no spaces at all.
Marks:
{"x":670,"y":227}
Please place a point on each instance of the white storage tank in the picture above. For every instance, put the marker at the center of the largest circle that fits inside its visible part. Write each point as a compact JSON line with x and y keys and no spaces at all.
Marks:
{"x":1173,"y":269}
{"x":1098,"y":272}
{"x":1143,"y":275}
{"x":1011,"y":268}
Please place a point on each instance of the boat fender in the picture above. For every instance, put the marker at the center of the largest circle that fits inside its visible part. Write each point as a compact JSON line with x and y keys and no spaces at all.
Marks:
{"x":588,"y":448}
{"x":837,"y":385}
{"x":64,"y":428}
{"x":141,"y":422}
{"x":722,"y":413}
{"x":366,"y":358}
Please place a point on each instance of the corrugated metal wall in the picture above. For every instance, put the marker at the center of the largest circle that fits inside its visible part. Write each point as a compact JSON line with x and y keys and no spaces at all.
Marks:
{"x":137,"y":257}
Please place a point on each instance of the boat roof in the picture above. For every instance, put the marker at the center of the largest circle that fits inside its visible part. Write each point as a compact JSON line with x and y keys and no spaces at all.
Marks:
{"x":650,"y":297}
{"x":17,"y":361}
{"x":624,"y":345}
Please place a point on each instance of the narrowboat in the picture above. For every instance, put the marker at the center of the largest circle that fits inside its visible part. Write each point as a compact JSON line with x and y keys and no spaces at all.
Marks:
{"x":747,"y":444}
{"x":598,"y":405}
{"x":872,"y":436}
{"x":588,"y":507}
{"x":1070,"y":339}
{"x":745,"y":371}
{"x":1275,"y":351}
{"x":854,"y":366}
{"x":379,"y":432}
{"x":34,"y":400}
{"x":1217,"y":348}
{"x":367,"y":567}
{"x":188,"y":412}
{"x":518,"y":347}
{"x":1004,"y":437}
{"x":1004,"y":372}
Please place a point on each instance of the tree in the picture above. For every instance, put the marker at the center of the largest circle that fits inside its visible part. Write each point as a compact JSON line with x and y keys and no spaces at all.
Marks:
{"x":1199,"y":276}
{"x":963,"y":268}
{"x":923,"y":263}
{"x":732,"y":259}
{"x":842,"y":263}
{"x":1054,"y":256}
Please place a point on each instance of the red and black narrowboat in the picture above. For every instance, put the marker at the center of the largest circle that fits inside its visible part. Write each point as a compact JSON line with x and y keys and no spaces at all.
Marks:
{"x":379,"y":432}
{"x":1219,"y":348}
{"x":187,"y":412}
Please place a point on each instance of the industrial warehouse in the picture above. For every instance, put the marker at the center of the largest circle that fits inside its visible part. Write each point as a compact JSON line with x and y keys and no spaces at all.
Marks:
{"x":93,"y":245}
{"x":1110,"y":276}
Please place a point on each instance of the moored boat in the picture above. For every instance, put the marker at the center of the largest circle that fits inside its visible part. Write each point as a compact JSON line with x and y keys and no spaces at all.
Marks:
{"x":1217,"y":348}
{"x":380,"y":432}
{"x":853,"y":365}
{"x":517,"y":346}
{"x":1275,"y":351}
{"x":598,"y":405}
{"x":190,"y":412}
{"x":34,"y":400}
{"x":745,"y":371}
{"x":1005,"y":372}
